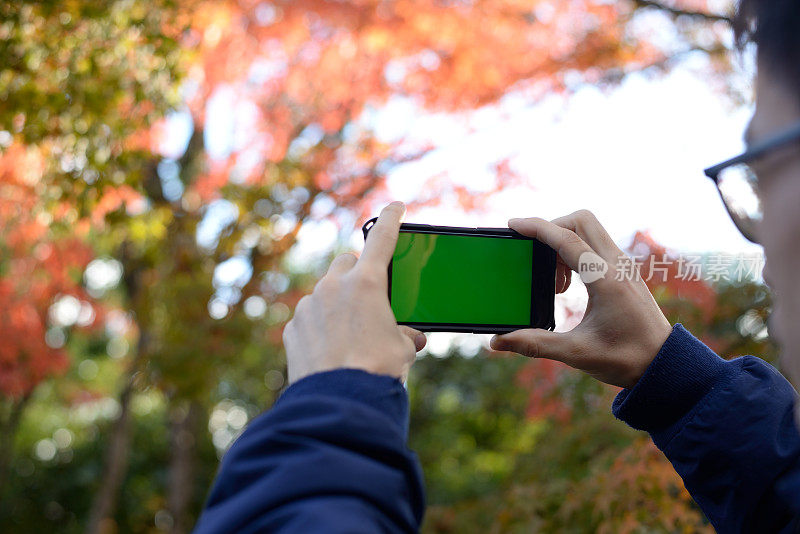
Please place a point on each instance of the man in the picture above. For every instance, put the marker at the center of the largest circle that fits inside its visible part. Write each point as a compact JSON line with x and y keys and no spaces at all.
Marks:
{"x":331,"y":456}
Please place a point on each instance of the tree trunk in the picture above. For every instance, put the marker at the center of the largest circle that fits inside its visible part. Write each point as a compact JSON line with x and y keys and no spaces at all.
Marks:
{"x":115,"y":467}
{"x":184,"y":425}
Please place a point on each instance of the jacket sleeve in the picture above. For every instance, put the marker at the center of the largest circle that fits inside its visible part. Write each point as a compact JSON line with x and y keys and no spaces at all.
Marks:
{"x":728,"y":429}
{"x":330,"y":456}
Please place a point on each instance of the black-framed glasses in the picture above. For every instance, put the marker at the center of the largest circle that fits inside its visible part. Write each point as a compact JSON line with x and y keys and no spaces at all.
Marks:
{"x":737,"y":183}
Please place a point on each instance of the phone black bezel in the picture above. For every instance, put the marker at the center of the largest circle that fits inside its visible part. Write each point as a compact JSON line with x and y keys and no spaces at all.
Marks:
{"x":543,"y":280}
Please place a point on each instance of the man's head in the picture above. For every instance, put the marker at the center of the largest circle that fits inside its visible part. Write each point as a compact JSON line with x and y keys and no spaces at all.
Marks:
{"x":774,"y":26}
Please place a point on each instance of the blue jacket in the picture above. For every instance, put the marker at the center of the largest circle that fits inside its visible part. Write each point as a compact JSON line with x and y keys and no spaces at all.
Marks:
{"x":331,"y":455}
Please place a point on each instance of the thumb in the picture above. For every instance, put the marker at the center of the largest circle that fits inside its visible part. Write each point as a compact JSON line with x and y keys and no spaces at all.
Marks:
{"x":416,"y":336}
{"x":537,"y":343}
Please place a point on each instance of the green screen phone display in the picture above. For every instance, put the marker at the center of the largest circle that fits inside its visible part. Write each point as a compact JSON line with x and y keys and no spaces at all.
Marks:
{"x":461,"y":279}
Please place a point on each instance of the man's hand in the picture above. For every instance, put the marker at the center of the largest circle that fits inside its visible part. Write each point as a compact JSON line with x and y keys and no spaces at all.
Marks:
{"x":623,"y":328}
{"x":347,"y":322}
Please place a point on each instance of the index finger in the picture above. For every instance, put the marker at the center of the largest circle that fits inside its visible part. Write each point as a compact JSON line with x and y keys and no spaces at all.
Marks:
{"x":565,"y":242}
{"x":586,"y":225}
{"x":382,"y":237}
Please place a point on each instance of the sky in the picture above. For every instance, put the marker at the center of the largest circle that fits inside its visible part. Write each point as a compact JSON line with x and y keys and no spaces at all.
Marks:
{"x":633,"y":155}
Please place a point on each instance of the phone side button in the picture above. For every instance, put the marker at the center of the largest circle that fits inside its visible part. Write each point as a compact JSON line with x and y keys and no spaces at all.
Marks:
{"x":497,"y":230}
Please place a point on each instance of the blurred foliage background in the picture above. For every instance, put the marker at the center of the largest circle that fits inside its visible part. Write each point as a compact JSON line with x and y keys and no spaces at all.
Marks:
{"x":145,"y":277}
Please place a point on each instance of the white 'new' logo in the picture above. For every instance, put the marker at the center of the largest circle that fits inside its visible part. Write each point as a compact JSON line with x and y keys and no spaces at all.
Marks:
{"x":591,"y":267}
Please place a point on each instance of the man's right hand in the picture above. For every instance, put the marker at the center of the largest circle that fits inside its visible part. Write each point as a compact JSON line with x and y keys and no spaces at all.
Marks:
{"x":623,"y":328}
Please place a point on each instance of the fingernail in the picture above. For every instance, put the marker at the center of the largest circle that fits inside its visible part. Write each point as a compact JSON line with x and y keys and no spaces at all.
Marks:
{"x":493,"y":341}
{"x":398,"y":204}
{"x":514,"y":221}
{"x":420,"y":339}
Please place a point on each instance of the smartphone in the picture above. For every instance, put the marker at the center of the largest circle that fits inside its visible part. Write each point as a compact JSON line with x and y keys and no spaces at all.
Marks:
{"x":478,"y":280}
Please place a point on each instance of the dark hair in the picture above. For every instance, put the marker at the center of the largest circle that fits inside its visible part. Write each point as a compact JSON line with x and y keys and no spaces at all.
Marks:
{"x":774,"y":27}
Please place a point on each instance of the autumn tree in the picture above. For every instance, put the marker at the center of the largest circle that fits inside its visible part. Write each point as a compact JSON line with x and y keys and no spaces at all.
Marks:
{"x":91,"y":96}
{"x":62,"y":128}
{"x":38,"y":267}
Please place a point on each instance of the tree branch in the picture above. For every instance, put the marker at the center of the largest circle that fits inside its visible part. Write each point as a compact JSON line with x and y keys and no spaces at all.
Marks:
{"x":712,"y":17}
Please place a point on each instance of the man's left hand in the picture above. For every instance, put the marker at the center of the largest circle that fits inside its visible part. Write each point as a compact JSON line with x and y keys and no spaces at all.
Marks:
{"x":347,"y":321}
